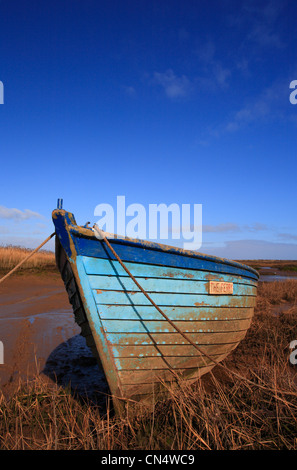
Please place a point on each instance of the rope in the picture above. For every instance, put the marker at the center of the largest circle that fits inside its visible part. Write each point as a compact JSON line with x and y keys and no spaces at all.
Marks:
{"x":102,"y":237}
{"x":26,"y":258}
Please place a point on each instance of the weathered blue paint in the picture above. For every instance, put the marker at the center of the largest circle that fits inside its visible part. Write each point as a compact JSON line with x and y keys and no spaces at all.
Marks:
{"x":172,"y":339}
{"x":168,"y":299}
{"x":63,"y":220}
{"x":146,"y":312}
{"x":151,"y":326}
{"x":136,"y":344}
{"x":151,"y":285}
{"x":137,"y":253}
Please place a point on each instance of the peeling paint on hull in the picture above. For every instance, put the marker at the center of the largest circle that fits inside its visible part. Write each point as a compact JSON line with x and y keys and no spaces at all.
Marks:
{"x":136,"y":346}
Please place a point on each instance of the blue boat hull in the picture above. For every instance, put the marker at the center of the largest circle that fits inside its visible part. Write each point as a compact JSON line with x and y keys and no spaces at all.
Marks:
{"x":138,"y":349}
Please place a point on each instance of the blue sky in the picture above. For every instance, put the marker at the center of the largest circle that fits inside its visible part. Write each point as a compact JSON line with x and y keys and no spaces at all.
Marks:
{"x":166,"y":101}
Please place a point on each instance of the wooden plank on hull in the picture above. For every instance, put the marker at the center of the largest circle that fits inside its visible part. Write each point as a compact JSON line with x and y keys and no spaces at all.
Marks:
{"x":162,"y":326}
{"x":150,"y":285}
{"x":160,"y":363}
{"x":174,"y":338}
{"x":147,"y":312}
{"x":128,"y":351}
{"x":158,"y":389}
{"x":103,"y":297}
{"x":147,"y":376}
{"x":98,"y":266}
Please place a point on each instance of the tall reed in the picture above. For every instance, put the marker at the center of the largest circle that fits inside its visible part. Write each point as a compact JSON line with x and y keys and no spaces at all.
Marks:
{"x":10,"y":256}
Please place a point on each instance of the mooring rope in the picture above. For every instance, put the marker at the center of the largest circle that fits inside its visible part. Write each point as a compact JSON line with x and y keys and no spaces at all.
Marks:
{"x":26,"y":258}
{"x":102,"y":236}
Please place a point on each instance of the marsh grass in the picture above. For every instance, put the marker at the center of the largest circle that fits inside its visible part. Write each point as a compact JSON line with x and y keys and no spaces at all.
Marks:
{"x":217,"y":412}
{"x":282,"y":265}
{"x":10,"y":256}
{"x":275,"y":293}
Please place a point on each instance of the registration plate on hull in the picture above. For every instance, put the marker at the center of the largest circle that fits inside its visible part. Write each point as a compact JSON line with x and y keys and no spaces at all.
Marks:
{"x":218,"y":287}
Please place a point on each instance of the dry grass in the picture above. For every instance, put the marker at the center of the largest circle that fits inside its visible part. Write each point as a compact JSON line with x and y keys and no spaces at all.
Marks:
{"x":275,"y":293}
{"x":10,"y":256}
{"x":218,"y":412}
{"x":280,"y":265}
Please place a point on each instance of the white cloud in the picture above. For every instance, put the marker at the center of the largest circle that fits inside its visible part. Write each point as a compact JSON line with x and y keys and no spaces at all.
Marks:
{"x":215,"y":74}
{"x":256,"y":227}
{"x":260,"y":108}
{"x":17,"y":214}
{"x":228,"y":227}
{"x":252,"y":249}
{"x":263,"y":23}
{"x":174,"y":86}
{"x":287,"y":236}
{"x":27,"y":242}
{"x":221,"y":74}
{"x":270,"y":104}
{"x":130,"y":90}
{"x":222,"y":228}
{"x":231,"y":227}
{"x":261,"y":20}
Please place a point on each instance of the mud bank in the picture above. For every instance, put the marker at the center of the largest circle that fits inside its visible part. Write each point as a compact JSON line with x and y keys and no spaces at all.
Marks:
{"x":39,"y":335}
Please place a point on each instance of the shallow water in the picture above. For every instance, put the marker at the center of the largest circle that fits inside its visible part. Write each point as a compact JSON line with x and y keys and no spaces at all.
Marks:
{"x":275,"y":277}
{"x":40,"y":336}
{"x":49,"y":343}
{"x":72,"y":364}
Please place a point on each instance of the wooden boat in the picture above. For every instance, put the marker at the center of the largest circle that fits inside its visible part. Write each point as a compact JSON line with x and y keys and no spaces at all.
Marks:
{"x":211,"y":300}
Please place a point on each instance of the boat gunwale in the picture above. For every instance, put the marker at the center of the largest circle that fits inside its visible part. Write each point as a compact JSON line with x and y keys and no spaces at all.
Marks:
{"x":83,"y":232}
